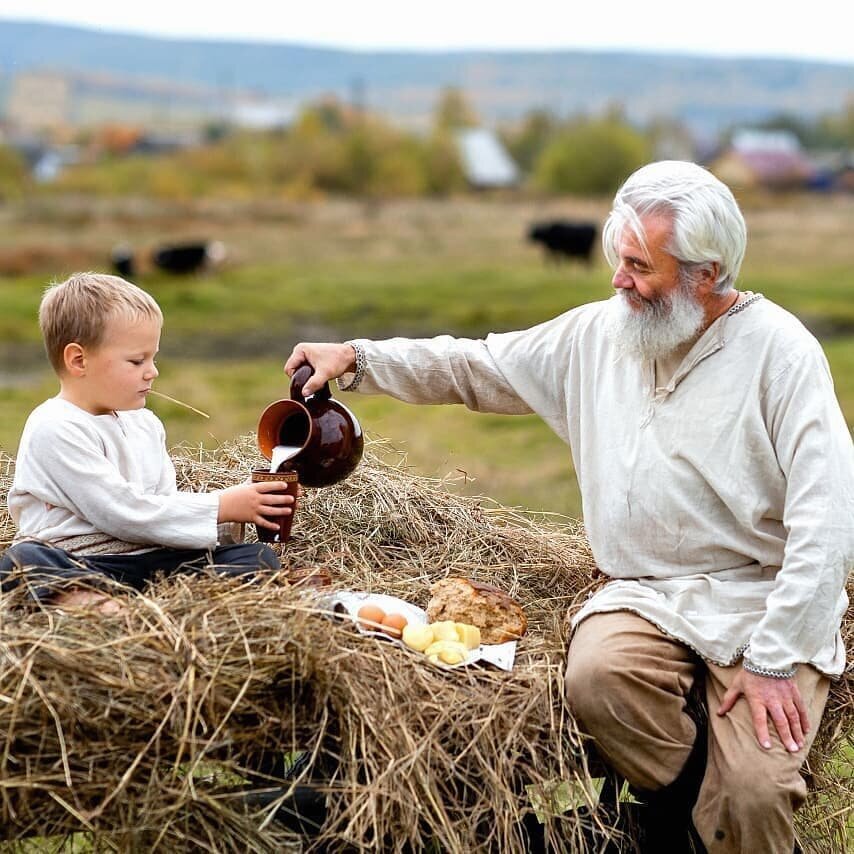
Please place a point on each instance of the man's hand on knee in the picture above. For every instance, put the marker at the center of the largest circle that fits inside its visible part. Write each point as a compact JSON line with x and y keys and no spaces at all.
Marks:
{"x":767,"y":697}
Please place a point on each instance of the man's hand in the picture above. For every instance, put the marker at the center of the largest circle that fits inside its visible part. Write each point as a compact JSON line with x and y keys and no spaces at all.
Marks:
{"x":329,"y":361}
{"x":778,"y":698}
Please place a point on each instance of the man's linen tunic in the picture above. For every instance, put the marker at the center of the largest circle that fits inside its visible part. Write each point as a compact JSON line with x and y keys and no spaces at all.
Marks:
{"x":104,"y":483}
{"x":722,"y":505}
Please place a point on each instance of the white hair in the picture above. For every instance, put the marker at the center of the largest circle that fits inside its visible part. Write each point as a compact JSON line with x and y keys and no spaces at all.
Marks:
{"x":707,"y":223}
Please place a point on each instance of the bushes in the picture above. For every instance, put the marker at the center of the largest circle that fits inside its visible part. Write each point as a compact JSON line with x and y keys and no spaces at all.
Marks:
{"x":14,"y":176}
{"x":337,"y":150}
{"x":324,"y":152}
{"x":591,"y":157}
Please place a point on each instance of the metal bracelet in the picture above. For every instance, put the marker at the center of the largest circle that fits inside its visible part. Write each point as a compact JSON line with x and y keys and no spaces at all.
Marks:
{"x":359,"y":373}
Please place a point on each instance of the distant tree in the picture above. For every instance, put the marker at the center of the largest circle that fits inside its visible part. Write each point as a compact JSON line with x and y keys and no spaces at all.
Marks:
{"x":836,"y":130}
{"x":443,"y":172}
{"x":453,"y":111}
{"x":332,"y":114}
{"x":14,"y":175}
{"x":527,"y":141}
{"x":669,"y":139}
{"x":591,"y":157}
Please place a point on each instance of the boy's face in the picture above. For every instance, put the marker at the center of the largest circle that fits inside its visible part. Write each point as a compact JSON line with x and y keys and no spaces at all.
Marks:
{"x":119,"y":372}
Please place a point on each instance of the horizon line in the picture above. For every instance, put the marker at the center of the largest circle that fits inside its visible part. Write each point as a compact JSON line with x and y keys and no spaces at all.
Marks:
{"x":426,"y":51}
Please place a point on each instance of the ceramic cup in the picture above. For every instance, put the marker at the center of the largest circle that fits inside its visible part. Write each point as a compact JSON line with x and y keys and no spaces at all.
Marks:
{"x":283,"y":534}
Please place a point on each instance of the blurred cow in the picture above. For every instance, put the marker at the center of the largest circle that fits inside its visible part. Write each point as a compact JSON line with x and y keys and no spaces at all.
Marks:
{"x":179,"y":259}
{"x":563,"y":240}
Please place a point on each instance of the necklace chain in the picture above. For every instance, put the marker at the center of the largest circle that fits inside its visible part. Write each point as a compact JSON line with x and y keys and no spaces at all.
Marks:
{"x":740,"y":306}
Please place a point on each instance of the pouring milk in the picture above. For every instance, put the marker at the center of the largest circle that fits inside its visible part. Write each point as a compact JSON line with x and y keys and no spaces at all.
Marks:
{"x":281,"y":454}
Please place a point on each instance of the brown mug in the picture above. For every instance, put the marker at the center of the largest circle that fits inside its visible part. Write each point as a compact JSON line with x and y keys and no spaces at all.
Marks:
{"x":283,"y":534}
{"x":328,"y":435}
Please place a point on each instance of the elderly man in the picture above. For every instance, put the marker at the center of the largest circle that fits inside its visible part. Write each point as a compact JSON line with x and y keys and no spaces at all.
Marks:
{"x":717,"y":480}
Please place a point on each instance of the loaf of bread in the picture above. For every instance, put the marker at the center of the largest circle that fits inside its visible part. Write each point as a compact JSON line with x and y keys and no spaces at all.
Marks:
{"x":499,"y":617}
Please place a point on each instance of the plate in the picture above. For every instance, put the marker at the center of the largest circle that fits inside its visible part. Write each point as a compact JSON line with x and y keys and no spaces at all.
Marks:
{"x":349,"y":603}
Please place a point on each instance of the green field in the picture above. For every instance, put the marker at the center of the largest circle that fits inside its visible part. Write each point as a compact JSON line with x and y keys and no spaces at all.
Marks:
{"x":338,"y":270}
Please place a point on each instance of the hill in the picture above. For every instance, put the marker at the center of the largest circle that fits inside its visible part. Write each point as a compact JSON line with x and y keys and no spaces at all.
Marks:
{"x":704,"y":92}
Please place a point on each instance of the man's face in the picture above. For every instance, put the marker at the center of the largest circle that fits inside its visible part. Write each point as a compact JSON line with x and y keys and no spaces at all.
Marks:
{"x":653,"y":312}
{"x":646,"y":275}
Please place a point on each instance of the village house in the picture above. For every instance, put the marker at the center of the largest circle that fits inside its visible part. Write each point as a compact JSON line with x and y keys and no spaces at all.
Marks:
{"x":764,"y":159}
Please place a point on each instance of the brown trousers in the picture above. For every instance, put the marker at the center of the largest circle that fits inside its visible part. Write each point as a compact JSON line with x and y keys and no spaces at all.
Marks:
{"x":627,"y":684}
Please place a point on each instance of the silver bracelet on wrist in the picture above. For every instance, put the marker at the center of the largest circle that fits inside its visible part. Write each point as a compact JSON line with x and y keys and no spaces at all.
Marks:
{"x":767,"y":671}
{"x":361,"y":364}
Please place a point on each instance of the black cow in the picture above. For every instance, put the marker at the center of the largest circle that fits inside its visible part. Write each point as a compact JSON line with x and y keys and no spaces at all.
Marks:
{"x":183,"y":258}
{"x":563,"y":240}
{"x":176,"y":258}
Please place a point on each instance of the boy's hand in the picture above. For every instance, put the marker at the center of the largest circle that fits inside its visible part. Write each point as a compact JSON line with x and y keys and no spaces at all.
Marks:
{"x":251,"y":502}
{"x":329,"y":361}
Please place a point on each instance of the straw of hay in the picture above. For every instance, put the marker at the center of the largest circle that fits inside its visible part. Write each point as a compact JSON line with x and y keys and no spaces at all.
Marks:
{"x":138,"y":728}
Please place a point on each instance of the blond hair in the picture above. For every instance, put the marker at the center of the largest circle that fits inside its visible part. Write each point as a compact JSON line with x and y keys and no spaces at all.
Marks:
{"x":79,"y":309}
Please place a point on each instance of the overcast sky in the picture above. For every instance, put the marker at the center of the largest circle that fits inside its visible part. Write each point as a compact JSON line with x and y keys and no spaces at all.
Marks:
{"x":820,"y":29}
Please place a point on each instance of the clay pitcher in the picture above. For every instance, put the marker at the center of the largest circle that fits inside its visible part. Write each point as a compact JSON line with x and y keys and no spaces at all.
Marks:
{"x":328,"y":435}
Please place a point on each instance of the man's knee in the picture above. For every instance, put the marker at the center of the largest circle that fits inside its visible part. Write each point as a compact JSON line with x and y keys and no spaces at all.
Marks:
{"x":593,"y":674}
{"x":592,"y":684}
{"x":639,"y":728}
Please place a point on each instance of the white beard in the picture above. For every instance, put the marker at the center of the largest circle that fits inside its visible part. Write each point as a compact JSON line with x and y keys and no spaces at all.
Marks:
{"x":650,"y":330}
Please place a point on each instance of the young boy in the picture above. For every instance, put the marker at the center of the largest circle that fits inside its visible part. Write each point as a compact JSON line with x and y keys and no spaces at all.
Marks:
{"x":94,"y":493}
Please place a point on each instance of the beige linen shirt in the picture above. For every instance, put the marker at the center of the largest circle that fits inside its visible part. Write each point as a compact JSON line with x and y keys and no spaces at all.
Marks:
{"x":721,"y":505}
{"x":104,"y":484}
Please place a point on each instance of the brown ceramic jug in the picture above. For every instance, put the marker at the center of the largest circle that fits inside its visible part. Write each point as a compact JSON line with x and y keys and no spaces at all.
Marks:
{"x":328,"y":435}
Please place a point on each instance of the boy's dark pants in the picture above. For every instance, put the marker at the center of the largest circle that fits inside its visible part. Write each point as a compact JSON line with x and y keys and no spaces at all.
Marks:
{"x":48,"y":568}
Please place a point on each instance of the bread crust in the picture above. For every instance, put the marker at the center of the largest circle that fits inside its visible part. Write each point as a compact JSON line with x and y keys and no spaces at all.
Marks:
{"x":499,"y":617}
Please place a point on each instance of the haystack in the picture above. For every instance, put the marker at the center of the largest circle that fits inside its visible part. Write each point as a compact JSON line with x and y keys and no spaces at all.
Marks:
{"x":145,"y":731}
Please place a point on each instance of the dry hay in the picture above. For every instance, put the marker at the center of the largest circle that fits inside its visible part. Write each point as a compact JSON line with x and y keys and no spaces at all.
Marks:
{"x":140,"y":729}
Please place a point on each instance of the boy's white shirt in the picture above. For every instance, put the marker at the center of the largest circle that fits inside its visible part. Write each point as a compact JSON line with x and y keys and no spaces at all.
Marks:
{"x":104,"y":484}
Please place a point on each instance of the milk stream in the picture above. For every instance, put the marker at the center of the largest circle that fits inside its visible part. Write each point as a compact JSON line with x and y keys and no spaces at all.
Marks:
{"x":281,"y":454}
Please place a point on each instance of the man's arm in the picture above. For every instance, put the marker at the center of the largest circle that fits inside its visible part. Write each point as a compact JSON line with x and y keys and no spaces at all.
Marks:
{"x":510,"y":373}
{"x":416,"y":370}
{"x":804,"y":610}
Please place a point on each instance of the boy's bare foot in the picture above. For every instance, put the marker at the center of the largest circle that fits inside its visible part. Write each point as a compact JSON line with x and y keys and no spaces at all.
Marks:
{"x":101,"y":602}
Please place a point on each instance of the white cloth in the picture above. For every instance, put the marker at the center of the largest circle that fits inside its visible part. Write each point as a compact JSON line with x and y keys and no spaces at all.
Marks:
{"x":88,"y":483}
{"x":722,"y":504}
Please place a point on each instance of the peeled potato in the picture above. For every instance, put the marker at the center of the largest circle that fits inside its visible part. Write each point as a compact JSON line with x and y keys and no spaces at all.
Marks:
{"x":447,"y":652}
{"x":445,"y":630}
{"x":417,"y":637}
{"x":447,"y":656}
{"x":469,"y":635}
